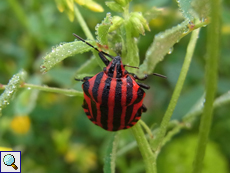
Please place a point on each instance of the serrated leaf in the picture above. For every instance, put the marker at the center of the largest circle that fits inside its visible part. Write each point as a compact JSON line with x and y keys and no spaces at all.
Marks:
{"x":186,"y":9}
{"x":103,"y":28}
{"x":116,"y":41}
{"x":202,"y":8}
{"x":63,"y":51}
{"x":11,"y":89}
{"x":110,"y":155}
{"x":162,"y":44}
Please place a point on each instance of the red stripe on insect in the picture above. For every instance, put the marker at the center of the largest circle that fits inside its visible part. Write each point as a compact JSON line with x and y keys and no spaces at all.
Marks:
{"x":88,"y":101}
{"x":111,"y":103}
{"x":115,"y":72}
{"x":138,"y":105}
{"x":123,"y":102}
{"x":99,"y":98}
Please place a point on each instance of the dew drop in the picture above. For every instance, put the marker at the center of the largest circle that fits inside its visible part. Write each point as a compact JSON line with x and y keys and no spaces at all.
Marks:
{"x":170,"y":50}
{"x":186,"y":29}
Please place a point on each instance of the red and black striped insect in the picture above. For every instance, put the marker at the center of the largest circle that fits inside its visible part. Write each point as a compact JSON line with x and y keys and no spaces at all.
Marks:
{"x":113,"y":99}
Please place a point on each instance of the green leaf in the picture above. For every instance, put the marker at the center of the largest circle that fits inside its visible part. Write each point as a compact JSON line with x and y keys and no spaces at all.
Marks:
{"x":162,"y":44}
{"x":103,"y":28}
{"x":114,"y":6}
{"x":11,"y":89}
{"x":132,"y":56}
{"x":110,"y":155}
{"x":63,"y":51}
{"x":186,"y":9}
{"x":202,"y":8}
{"x":116,"y":41}
{"x":121,"y":2}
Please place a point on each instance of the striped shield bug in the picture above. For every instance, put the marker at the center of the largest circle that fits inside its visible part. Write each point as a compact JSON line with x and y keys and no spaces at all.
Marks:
{"x":113,"y":99}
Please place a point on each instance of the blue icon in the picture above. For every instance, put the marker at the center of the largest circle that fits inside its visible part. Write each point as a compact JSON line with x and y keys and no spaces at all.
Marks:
{"x":9,"y":160}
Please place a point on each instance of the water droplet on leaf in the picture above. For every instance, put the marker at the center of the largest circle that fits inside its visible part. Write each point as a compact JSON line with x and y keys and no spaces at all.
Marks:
{"x":170,"y":50}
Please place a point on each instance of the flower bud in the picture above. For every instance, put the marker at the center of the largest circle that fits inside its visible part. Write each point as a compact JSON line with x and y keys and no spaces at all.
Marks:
{"x":116,"y":23}
{"x":142,"y":19}
{"x":137,"y":26}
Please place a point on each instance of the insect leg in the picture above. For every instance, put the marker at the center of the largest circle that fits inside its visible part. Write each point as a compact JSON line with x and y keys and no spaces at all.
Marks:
{"x":84,"y":79}
{"x":144,"y":109}
{"x":143,"y":86}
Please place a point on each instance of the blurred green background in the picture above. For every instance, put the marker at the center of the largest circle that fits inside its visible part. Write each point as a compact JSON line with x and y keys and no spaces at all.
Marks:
{"x":52,"y":130}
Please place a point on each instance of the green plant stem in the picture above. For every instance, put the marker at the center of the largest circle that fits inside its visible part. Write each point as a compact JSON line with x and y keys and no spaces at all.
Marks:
{"x":156,"y":144}
{"x":213,"y":52}
{"x":147,"y":129}
{"x":197,"y":26}
{"x":145,"y":149}
{"x":88,"y":34}
{"x":110,"y":155}
{"x":132,"y":58}
{"x":69,"y":92}
{"x":82,"y":22}
{"x":19,"y":13}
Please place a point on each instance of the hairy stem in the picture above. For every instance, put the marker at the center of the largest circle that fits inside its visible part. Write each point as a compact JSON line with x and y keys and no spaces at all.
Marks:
{"x":164,"y":124}
{"x":69,"y":92}
{"x":213,"y":52}
{"x":145,"y":149}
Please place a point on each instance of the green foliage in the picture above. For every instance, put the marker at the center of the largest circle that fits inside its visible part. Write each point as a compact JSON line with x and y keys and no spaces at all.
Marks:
{"x":163,"y":44}
{"x":50,"y":127}
{"x":61,"y":52}
{"x":114,"y":6}
{"x":178,"y":156}
{"x":103,"y":29}
{"x":11,"y":88}
{"x":185,"y":7}
{"x":110,"y":155}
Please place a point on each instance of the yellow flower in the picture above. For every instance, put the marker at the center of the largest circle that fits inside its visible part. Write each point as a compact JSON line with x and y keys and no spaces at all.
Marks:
{"x":5,"y":149}
{"x":68,"y":6}
{"x":93,"y":6}
{"x":20,"y":124}
{"x":84,"y":157}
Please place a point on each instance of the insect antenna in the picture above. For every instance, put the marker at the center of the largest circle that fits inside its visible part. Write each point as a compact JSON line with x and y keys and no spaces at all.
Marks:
{"x":159,"y":75}
{"x":131,"y":66}
{"x":81,"y":39}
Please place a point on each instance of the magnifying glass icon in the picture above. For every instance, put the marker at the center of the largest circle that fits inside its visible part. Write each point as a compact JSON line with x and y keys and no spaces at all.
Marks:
{"x":9,"y":160}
